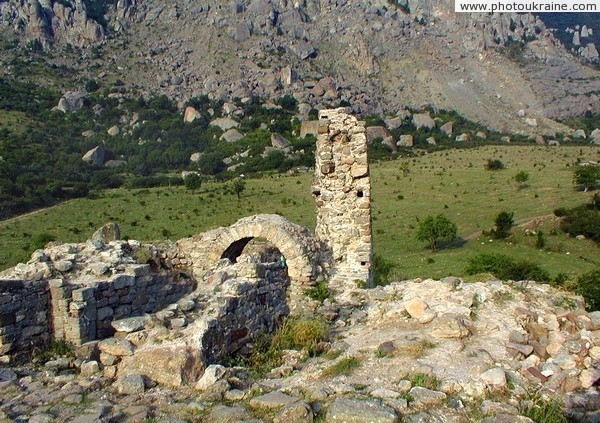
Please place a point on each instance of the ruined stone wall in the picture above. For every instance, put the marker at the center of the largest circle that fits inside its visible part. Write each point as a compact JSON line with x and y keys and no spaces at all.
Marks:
{"x":342,"y":190}
{"x":24,"y":315}
{"x":34,"y":313}
{"x":84,"y":311}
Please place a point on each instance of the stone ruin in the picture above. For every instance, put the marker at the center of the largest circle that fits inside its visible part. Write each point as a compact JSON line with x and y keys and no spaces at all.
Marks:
{"x":79,"y":293}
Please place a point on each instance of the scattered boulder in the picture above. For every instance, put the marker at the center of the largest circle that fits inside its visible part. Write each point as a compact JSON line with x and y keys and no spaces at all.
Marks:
{"x":309,"y":127}
{"x":107,"y":233}
{"x":190,"y":114}
{"x":449,"y":326}
{"x":71,"y":102}
{"x":279,"y":142}
{"x":463,"y":138}
{"x":113,"y":131}
{"x":224,"y":123}
{"x":579,"y":133}
{"x":130,"y":324}
{"x":374,"y":132}
{"x":195,"y":157}
{"x":423,"y":121}
{"x":272,"y":400}
{"x":495,"y":377}
{"x":447,"y":128}
{"x":406,"y":141}
{"x":95,"y":156}
{"x":232,"y":135}
{"x":424,"y":396}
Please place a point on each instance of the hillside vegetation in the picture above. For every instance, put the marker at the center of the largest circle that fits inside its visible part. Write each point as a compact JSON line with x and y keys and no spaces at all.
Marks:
{"x":406,"y":190}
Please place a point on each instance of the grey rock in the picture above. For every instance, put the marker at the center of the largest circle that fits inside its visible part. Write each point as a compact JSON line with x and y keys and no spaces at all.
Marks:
{"x":273,"y":399}
{"x":212,"y":375}
{"x":232,"y":135}
{"x":225,"y":123}
{"x":278,"y":141}
{"x":116,"y":347}
{"x":71,"y":102}
{"x":63,"y":265}
{"x":225,"y":414}
{"x":130,"y":324}
{"x":297,"y":412}
{"x":95,"y":156}
{"x":358,"y":411}
{"x":426,"y":396}
{"x":107,"y":233}
{"x":131,"y":384}
{"x":495,"y":377}
{"x":7,"y":374}
{"x":447,"y":128}
{"x":423,"y":121}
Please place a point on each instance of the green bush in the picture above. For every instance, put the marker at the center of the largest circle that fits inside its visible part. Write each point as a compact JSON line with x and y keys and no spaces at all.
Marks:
{"x":506,"y":268}
{"x":504,"y":222}
{"x":582,"y":220}
{"x":588,"y":286}
{"x":301,"y":333}
{"x":382,"y":270}
{"x":494,"y":164}
{"x":40,"y":240}
{"x":320,"y":292}
{"x":541,"y":409}
{"x":436,"y":229}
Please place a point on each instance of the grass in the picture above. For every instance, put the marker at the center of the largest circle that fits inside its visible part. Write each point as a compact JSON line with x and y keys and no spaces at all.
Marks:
{"x":343,"y":367}
{"x":541,"y":408}
{"x":424,"y":380}
{"x":454,"y":182}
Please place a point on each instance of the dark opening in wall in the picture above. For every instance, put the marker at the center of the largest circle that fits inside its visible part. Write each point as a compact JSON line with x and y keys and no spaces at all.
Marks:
{"x":360,"y":194}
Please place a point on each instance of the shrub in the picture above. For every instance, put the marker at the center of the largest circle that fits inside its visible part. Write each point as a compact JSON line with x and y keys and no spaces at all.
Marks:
{"x":588,"y":177}
{"x":588,"y":286}
{"x":540,"y":241}
{"x":504,"y":222}
{"x":382,"y":270}
{"x":435,"y":229}
{"x":320,"y":292}
{"x":520,"y":178}
{"x":40,"y":240}
{"x":582,"y":220}
{"x":541,"y":409}
{"x":301,"y":333}
{"x":494,"y":164}
{"x":504,"y":267}
{"x":192,"y":181}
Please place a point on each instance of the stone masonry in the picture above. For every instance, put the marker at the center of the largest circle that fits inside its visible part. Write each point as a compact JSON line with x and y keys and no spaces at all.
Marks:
{"x":342,"y":190}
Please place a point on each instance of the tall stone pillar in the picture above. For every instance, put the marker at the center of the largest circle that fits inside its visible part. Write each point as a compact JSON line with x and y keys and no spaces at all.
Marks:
{"x":342,"y":191}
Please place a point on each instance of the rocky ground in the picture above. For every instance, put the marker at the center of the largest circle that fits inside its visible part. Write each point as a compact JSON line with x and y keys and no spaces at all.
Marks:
{"x":416,"y":351}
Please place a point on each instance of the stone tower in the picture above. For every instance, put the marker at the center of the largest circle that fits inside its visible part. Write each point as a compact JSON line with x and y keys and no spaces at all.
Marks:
{"x":342,"y":190}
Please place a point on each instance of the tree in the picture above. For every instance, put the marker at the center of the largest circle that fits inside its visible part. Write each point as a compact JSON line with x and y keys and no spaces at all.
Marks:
{"x":435,"y":229}
{"x":238,"y":187}
{"x":521,"y":178}
{"x":504,"y":222}
{"x":192,"y":181}
{"x":587,"y":176}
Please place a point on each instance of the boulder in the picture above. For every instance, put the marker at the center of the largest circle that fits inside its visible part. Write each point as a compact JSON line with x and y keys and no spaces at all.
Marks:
{"x":212,"y":375}
{"x":232,"y":135}
{"x":424,"y":396}
{"x":131,"y":384}
{"x":279,"y":142}
{"x":225,"y":414}
{"x":595,"y":136}
{"x":116,"y":347}
{"x":350,"y":410}
{"x":580,"y":133}
{"x":95,"y":156}
{"x":463,"y":137}
{"x":113,"y":131}
{"x":190,"y":114}
{"x":195,"y":157}
{"x":130,"y":324}
{"x":170,"y":366}
{"x":71,"y":102}
{"x":296,"y":412}
{"x":423,"y":121}
{"x":107,"y":233}
{"x":309,"y":127}
{"x":449,"y":326}
{"x":406,"y":141}
{"x":374,"y":132}
{"x":272,"y":400}
{"x":447,"y":128}
{"x":495,"y":377}
{"x":431,"y":141}
{"x":225,"y":123}
{"x":395,"y":122}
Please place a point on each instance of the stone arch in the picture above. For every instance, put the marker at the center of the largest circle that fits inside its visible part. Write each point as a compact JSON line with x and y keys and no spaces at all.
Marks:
{"x":302,"y":250}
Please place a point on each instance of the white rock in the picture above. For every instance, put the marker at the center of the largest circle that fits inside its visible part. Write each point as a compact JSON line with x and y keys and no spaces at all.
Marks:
{"x":495,"y":377}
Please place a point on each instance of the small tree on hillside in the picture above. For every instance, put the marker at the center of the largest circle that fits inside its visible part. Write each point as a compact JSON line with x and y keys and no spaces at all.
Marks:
{"x":504,"y":222}
{"x":587,"y":176}
{"x":192,"y":181}
{"x":436,"y":229}
{"x":238,"y":187}
{"x":521,"y":178}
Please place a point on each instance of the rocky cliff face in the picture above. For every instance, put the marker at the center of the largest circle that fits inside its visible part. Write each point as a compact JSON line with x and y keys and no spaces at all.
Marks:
{"x":377,"y":55}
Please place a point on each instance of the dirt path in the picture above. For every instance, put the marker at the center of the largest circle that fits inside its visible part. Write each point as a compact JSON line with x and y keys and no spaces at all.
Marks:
{"x":519,"y":222}
{"x":33,"y":213}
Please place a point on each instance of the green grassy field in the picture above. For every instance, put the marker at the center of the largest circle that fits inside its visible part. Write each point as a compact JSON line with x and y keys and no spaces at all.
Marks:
{"x":452,"y":182}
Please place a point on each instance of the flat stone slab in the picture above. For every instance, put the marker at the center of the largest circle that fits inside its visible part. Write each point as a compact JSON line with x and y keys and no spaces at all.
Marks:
{"x":426,"y":396}
{"x":130,"y":324}
{"x":358,"y":411}
{"x":224,"y":414}
{"x":272,"y":400}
